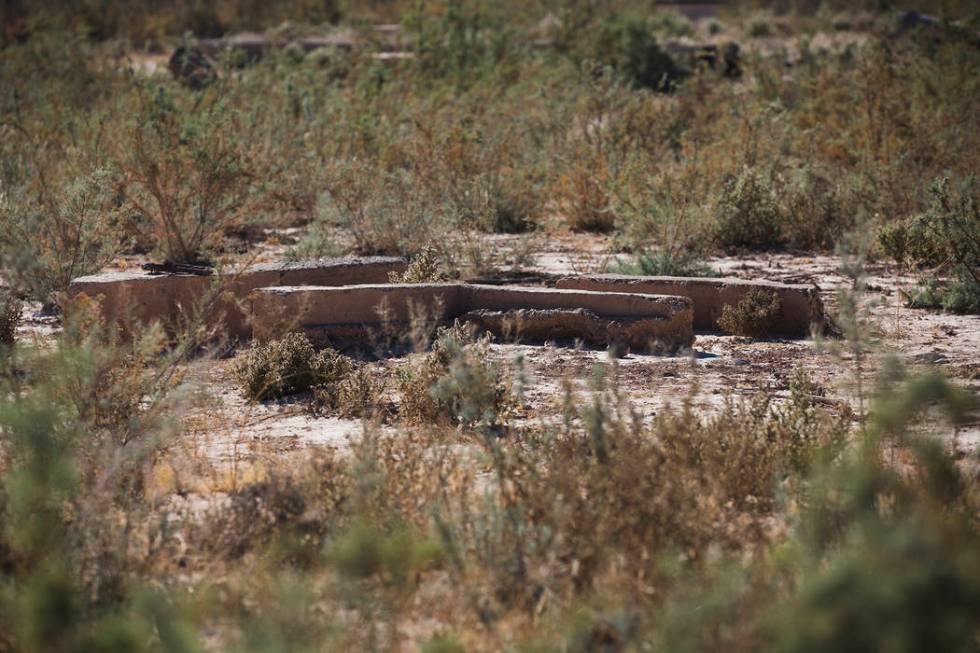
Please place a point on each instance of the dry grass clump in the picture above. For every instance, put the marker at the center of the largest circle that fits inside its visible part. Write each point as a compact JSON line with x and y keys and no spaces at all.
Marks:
{"x":359,"y":394}
{"x":753,"y":316}
{"x":290,"y":365}
{"x":584,"y":193}
{"x":425,"y":267}
{"x":296,"y":506}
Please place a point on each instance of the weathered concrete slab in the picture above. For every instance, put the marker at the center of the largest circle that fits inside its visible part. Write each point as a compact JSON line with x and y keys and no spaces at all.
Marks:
{"x":801,"y":303}
{"x":639,"y":321}
{"x":141,"y":297}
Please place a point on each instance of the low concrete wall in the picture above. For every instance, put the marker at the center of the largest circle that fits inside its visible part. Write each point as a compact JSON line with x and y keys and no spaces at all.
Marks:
{"x":801,"y":304}
{"x":141,"y":297}
{"x":635,"y":320}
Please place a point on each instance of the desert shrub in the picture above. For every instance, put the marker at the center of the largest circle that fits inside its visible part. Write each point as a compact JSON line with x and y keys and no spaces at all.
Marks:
{"x":664,"y":264}
{"x":946,"y":235}
{"x":185,"y":171}
{"x":909,"y":241}
{"x":10,"y":311}
{"x":495,"y":202}
{"x":817,"y":209}
{"x":760,"y":28}
{"x":753,"y":316}
{"x":747,"y":211}
{"x":583,"y":193}
{"x":300,"y":504}
{"x":625,"y":42}
{"x":359,"y":394}
{"x":454,"y":383}
{"x":70,"y":231}
{"x":69,"y":581}
{"x":423,"y":268}
{"x":290,"y":365}
{"x":384,"y":212}
{"x":461,"y":41}
{"x":664,"y":209}
{"x":362,"y":551}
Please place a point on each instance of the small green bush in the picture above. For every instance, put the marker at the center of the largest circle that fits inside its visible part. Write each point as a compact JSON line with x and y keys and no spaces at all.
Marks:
{"x":454,"y":383}
{"x":910,"y":241}
{"x":625,"y":42}
{"x":10,"y":311}
{"x":460,"y":41}
{"x":664,"y":264}
{"x":753,"y":316}
{"x":186,"y":172}
{"x":290,"y":365}
{"x":760,"y":28}
{"x":54,"y":237}
{"x":748,"y":214}
{"x":947,"y":236}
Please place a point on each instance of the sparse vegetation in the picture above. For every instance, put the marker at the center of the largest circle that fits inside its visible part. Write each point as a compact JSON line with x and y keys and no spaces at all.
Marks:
{"x":663,"y":264}
{"x":454,"y":383}
{"x":10,"y":312}
{"x":424,"y":268}
{"x":753,"y":316}
{"x":289,"y":365}
{"x":946,"y":237}
{"x":472,"y":502}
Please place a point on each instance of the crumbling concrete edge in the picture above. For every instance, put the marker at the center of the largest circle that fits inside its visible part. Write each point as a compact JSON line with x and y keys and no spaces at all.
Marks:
{"x":139,"y":297}
{"x":802,"y":308}
{"x":633,"y":320}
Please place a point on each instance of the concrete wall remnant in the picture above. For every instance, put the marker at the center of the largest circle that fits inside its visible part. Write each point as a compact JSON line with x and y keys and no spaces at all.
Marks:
{"x":142,"y":297}
{"x":638,"y":321}
{"x":801,"y":304}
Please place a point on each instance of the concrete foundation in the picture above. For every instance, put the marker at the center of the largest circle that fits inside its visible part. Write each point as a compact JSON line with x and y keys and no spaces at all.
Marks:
{"x":801,"y":304}
{"x":638,"y":321}
{"x":140,"y":297}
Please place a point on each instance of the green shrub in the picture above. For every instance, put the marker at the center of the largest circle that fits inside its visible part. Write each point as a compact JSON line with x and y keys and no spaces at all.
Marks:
{"x":68,"y":232}
{"x":387,"y":213}
{"x":460,"y":40}
{"x":290,"y":365}
{"x":748,"y":214}
{"x":910,"y":241}
{"x":664,"y":264}
{"x":455,"y":383}
{"x":753,"y":316}
{"x":947,"y":235}
{"x":10,"y":311}
{"x":760,"y":28}
{"x":186,"y":172}
{"x":818,"y":208}
{"x":625,"y":42}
